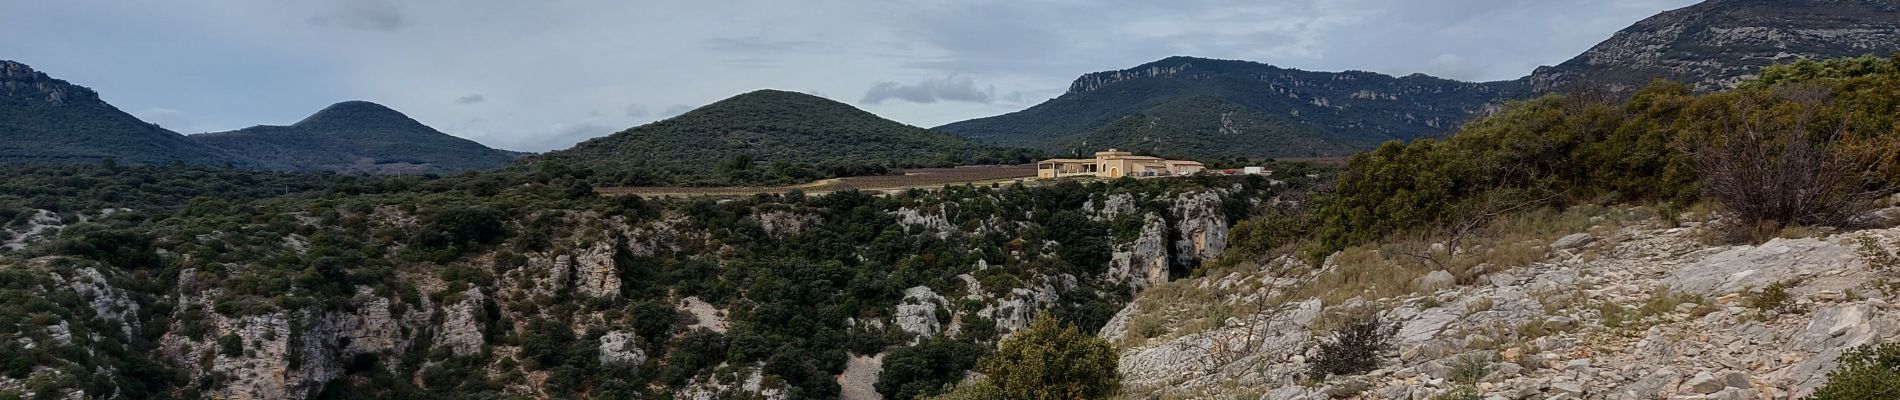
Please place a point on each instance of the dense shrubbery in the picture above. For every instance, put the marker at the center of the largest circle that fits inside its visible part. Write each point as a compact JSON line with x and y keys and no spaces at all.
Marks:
{"x":927,"y":368}
{"x":1810,"y":144}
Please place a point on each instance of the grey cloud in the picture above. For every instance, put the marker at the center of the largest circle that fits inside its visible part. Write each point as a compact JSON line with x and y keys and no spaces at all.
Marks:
{"x":753,"y":63}
{"x":756,"y":44}
{"x":951,"y":88}
{"x":374,"y":15}
{"x":470,"y":99}
{"x":636,"y":110}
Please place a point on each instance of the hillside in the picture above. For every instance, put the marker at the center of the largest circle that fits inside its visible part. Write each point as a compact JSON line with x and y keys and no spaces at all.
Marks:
{"x":47,"y":120}
{"x":1716,"y":44}
{"x":429,"y":290}
{"x":356,"y":136}
{"x":1200,"y":107}
{"x":740,"y":138}
{"x":1285,"y":112}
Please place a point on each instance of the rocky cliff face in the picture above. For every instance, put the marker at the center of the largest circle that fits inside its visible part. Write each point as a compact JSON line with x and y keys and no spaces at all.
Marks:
{"x":1717,"y":44}
{"x":1631,"y":312}
{"x":21,"y":83}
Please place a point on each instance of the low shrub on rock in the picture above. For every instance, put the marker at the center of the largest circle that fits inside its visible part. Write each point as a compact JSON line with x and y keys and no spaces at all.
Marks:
{"x":1354,"y":349}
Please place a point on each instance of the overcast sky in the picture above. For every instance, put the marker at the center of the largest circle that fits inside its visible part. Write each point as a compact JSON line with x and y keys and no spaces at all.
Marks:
{"x":544,"y":74}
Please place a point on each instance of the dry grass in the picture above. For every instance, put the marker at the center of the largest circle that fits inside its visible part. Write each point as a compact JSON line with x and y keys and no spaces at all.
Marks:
{"x":1660,"y":303}
{"x":1387,"y":270}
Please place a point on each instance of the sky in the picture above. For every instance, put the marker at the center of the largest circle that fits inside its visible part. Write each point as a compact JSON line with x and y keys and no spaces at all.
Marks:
{"x":542,"y":75}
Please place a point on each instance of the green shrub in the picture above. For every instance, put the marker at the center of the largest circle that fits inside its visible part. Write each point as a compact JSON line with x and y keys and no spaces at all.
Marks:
{"x":231,"y":345}
{"x":1774,"y":297}
{"x":1354,"y":349}
{"x":1867,"y":372}
{"x":927,"y":368}
{"x":1052,"y":361}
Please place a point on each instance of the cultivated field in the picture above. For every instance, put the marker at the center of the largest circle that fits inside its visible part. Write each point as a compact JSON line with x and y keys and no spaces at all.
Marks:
{"x":925,"y":178}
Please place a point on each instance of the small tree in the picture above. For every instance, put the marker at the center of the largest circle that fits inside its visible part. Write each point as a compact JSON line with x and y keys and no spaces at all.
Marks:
{"x":1051,"y":361}
{"x":1354,"y":348}
{"x":1775,"y":158}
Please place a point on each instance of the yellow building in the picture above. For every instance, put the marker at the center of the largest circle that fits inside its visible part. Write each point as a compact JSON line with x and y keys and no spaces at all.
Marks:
{"x":1115,"y":164}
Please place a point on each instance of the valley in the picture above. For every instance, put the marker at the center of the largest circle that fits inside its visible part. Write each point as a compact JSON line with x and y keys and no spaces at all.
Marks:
{"x":1704,"y":206}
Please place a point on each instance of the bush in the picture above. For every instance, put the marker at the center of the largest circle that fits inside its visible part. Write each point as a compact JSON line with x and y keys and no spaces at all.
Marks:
{"x":925,"y":369}
{"x":463,"y":227}
{"x":1354,"y":349}
{"x":1866,"y":372}
{"x":1049,"y":361}
{"x":231,"y":345}
{"x":1774,"y":158}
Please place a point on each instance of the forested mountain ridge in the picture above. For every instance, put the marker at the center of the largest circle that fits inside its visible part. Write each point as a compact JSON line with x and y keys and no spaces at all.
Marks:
{"x":1712,"y":46}
{"x":356,"y":136}
{"x":1205,"y":108}
{"x":770,"y":136}
{"x":47,"y":120}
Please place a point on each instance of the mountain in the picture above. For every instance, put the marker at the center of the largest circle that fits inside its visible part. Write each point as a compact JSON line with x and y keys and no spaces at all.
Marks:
{"x":770,"y":126}
{"x":356,"y":136}
{"x":1216,"y":108}
{"x":1716,"y":44}
{"x":1199,"y":107}
{"x":47,"y":120}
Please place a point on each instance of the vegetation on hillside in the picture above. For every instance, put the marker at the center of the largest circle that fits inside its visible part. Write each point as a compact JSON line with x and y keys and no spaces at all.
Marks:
{"x":356,"y":136}
{"x":764,"y":138}
{"x":1812,"y":152}
{"x":303,"y":246}
{"x":1048,"y":361}
{"x":1205,"y":108}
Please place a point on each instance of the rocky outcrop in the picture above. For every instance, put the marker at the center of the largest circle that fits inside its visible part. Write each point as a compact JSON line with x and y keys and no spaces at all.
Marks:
{"x":1642,"y":313}
{"x":621,"y":347}
{"x":461,"y":329}
{"x":595,"y":273}
{"x":745,"y":382}
{"x":917,"y":313}
{"x":41,"y":225}
{"x":1144,"y":262}
{"x":926,"y":220}
{"x":1202,"y":227}
{"x":782,"y":224}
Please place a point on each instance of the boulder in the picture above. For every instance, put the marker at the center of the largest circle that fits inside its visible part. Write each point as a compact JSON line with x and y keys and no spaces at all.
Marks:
{"x":1572,"y":241}
{"x":1435,"y":281}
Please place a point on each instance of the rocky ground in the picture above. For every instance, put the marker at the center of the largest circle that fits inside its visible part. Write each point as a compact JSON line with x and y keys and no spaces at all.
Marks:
{"x":1627,"y":312}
